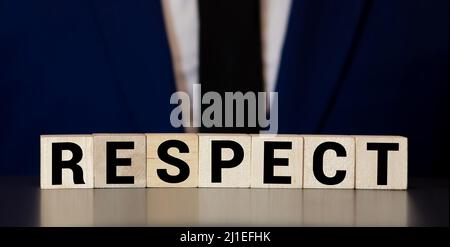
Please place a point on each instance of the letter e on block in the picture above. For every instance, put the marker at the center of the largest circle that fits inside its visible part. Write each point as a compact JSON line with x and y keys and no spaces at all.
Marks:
{"x":277,"y":161}
{"x":119,"y":161}
{"x":67,"y":161}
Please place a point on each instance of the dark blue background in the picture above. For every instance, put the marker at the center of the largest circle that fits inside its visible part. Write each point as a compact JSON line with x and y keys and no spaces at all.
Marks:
{"x":348,"y":67}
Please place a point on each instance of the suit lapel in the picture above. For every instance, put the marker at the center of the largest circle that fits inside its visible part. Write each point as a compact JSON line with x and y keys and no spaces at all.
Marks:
{"x":137,"y":48}
{"x":318,"y":49}
{"x":319,"y":41}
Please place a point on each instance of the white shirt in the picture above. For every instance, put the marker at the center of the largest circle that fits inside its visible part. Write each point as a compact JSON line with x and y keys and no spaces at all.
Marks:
{"x":182,"y":28}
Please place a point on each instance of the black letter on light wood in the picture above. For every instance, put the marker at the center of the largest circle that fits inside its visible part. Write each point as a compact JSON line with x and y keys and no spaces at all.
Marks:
{"x":58,"y":164}
{"x":270,"y":162}
{"x":383,"y":149}
{"x":216,"y":158}
{"x":180,"y":164}
{"x":112,"y":162}
{"x":318,"y":163}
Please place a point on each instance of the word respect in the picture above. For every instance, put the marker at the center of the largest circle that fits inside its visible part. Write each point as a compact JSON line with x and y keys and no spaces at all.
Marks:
{"x":223,"y":160}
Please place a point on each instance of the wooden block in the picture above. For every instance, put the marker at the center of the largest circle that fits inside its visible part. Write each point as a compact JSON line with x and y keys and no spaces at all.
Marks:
{"x":277,"y":161}
{"x":224,"y":160}
{"x":119,"y":160}
{"x":381,"y":162}
{"x":178,"y":165}
{"x":329,"y":162}
{"x":66,"y":161}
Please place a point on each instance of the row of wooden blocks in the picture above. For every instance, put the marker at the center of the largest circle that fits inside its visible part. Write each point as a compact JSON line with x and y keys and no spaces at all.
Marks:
{"x":223,"y":160}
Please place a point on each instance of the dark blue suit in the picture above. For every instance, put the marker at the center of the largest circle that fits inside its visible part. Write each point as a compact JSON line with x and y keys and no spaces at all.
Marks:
{"x":348,"y":67}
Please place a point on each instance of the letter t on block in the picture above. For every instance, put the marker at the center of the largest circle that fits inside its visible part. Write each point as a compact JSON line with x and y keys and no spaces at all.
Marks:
{"x":67,"y":161}
{"x":381,"y":162}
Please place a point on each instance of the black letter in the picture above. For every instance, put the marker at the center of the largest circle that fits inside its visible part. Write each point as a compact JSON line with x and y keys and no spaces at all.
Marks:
{"x":164,"y":156}
{"x":112,"y":161}
{"x":383,"y":149}
{"x":318,"y":163}
{"x":58,"y":164}
{"x":216,"y":158}
{"x":270,"y":162}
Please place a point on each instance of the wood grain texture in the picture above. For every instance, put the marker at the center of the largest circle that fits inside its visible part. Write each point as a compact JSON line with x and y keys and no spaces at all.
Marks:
{"x":367,"y":160}
{"x":331,"y":163}
{"x":239,"y":176}
{"x":294,"y":157}
{"x":154,"y":162}
{"x":137,"y":155}
{"x":85,"y":142}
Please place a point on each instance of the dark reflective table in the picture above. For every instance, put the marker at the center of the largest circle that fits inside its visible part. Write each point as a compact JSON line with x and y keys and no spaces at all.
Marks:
{"x":23,"y":203}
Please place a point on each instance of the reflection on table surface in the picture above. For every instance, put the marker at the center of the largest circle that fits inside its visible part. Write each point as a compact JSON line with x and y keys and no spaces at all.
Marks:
{"x":423,"y":205}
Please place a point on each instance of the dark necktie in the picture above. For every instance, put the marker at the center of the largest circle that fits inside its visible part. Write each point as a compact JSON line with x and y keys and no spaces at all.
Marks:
{"x":230,"y":53}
